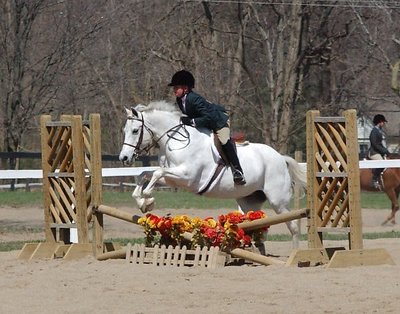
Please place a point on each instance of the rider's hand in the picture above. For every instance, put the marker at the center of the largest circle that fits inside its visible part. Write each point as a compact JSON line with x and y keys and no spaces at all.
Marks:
{"x":186,"y":121}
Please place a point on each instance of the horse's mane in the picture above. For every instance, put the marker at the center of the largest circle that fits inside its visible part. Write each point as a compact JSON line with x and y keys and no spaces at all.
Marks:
{"x":160,"y":105}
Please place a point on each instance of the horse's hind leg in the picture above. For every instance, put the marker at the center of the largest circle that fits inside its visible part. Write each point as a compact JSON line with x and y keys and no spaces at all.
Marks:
{"x":280,"y":206}
{"x":254,"y":202}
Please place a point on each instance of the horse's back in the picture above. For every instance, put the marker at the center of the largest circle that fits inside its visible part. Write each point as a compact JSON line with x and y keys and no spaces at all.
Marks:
{"x":391,"y":179}
{"x":264,"y":164}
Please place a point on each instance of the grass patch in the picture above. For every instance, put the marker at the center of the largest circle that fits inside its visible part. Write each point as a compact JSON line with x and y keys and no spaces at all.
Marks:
{"x":125,"y":241}
{"x":13,"y":245}
{"x":21,"y":229}
{"x":170,"y":199}
{"x":21,"y":198}
{"x":338,"y":237}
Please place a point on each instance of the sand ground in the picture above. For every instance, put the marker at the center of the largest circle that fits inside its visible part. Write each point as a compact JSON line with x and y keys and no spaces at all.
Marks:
{"x":113,"y":286}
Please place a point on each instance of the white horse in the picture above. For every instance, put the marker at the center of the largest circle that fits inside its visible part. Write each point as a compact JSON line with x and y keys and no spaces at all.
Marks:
{"x":188,"y":160}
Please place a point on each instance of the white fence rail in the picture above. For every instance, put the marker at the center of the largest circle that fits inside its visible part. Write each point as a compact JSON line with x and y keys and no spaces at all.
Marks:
{"x":136,"y":171}
{"x":105,"y":172}
{"x":37,"y":174}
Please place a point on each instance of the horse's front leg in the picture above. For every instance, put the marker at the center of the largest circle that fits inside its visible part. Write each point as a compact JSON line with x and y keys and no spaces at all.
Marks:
{"x":144,"y":204}
{"x":147,"y":203}
{"x":393,"y":196}
{"x":176,"y":173}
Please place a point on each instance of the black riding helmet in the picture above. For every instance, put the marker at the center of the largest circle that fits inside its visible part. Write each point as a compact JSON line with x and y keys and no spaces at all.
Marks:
{"x":182,"y":77}
{"x":379,"y":118}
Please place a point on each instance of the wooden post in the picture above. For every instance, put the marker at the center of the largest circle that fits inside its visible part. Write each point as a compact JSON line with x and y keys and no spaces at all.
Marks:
{"x":355,"y":235}
{"x":314,"y":238}
{"x":333,"y":195}
{"x":298,"y":156}
{"x":96,"y":182}
{"x":80,"y":179}
{"x":46,"y":167}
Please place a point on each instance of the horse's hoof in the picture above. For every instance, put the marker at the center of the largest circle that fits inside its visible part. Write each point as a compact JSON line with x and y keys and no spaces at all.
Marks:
{"x":146,"y":209}
{"x":259,"y":248}
{"x":147,"y":205}
{"x":391,"y":221}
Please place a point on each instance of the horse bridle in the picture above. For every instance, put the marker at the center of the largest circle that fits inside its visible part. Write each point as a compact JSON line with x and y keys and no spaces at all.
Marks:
{"x":141,"y":151}
{"x":137,"y":150}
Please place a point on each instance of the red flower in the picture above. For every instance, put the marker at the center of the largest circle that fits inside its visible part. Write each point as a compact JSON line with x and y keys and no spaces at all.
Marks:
{"x":235,"y":217}
{"x":246,"y":239}
{"x":210,"y":233}
{"x":254,"y":215}
{"x":164,"y":225}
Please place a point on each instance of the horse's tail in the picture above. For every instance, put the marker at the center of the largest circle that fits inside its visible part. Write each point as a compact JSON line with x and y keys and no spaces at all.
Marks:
{"x":297,"y":173}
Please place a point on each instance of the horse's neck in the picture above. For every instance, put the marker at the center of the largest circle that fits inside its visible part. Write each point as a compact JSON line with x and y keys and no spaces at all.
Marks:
{"x":162,"y":122}
{"x":185,"y":141}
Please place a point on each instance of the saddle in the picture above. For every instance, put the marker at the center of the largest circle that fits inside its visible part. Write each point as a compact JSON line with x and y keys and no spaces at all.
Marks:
{"x":221,"y":161}
{"x":217,"y":147}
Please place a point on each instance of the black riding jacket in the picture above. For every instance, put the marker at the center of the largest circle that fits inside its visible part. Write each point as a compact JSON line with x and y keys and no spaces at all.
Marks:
{"x":376,"y":138}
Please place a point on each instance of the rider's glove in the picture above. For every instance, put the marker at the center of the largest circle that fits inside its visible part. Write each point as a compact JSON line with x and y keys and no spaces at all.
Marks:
{"x":186,"y":121}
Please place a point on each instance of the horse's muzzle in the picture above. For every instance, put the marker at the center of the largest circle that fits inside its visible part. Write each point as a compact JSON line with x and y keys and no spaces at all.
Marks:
{"x":126,"y":161}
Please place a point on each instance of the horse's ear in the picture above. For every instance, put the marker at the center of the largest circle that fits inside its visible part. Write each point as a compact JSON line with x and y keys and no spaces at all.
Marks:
{"x":134,"y":112}
{"x":131,"y":112}
{"x":128,"y":112}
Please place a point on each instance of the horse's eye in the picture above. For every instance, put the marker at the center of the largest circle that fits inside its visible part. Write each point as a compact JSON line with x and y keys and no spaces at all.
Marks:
{"x":135,"y":131}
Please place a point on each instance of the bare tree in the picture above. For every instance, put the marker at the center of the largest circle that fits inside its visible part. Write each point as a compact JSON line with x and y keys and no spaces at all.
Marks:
{"x":268,"y":63}
{"x":39,"y":44}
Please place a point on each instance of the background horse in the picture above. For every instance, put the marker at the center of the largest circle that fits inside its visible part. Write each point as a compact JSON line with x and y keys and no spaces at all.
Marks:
{"x":390,"y":179}
{"x":188,"y":160}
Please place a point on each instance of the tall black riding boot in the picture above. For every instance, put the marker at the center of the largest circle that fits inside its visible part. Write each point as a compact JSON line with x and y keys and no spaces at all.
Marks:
{"x":376,"y":173}
{"x":230,"y":151}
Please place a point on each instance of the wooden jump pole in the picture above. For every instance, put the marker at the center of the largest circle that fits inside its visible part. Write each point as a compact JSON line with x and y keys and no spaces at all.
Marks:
{"x":247,"y":226}
{"x":116,"y":213}
{"x":112,"y":255}
{"x":274,"y":220}
{"x":252,"y":225}
{"x":257,"y":258}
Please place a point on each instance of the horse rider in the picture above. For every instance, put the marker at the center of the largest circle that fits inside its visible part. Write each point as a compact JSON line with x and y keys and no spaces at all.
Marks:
{"x":201,"y":113}
{"x":377,"y":150}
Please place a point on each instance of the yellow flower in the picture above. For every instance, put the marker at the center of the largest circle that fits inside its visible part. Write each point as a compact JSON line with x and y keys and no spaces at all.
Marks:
{"x":196,"y":222}
{"x":210,"y":222}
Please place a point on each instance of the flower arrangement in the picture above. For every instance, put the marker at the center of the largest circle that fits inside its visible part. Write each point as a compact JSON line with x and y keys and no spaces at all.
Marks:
{"x":223,"y":232}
